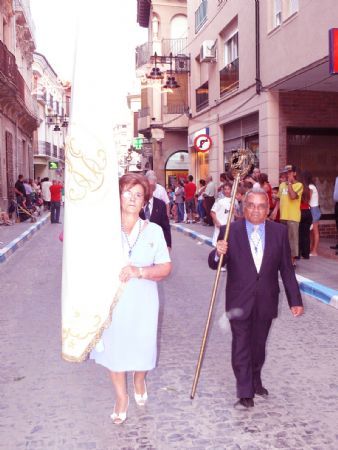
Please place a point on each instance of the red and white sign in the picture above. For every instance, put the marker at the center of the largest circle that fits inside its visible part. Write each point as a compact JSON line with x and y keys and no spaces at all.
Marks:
{"x":202,"y":142}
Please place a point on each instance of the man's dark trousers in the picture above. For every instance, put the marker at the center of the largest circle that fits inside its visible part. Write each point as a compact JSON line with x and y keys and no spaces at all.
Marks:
{"x":55,"y":212}
{"x":248,"y":352}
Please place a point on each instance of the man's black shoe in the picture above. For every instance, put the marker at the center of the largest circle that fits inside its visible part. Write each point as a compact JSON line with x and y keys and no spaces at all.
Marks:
{"x":334,"y":247}
{"x":244,"y":403}
{"x":261,"y":391}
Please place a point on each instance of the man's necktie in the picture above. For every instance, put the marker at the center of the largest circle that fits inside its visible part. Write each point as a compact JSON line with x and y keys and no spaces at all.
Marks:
{"x":147,"y":211}
{"x":256,"y":247}
{"x":255,"y":238}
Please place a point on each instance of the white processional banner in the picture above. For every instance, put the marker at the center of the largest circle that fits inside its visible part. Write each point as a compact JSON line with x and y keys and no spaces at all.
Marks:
{"x":92,"y":252}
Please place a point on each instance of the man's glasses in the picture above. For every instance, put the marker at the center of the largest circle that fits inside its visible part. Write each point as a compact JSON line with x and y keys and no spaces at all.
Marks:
{"x":260,"y":206}
{"x":128,"y":195}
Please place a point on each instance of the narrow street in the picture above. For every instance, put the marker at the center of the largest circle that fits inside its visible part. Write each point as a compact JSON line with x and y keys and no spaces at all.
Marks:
{"x":47,"y":403}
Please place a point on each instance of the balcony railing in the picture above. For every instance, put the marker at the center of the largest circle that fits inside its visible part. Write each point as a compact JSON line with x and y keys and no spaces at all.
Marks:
{"x":174,"y":46}
{"x":10,"y":71}
{"x":143,"y":53}
{"x":43,"y":148}
{"x":201,"y":15}
{"x":9,"y":68}
{"x":229,"y":77}
{"x":202,"y":96}
{"x":175,"y":109}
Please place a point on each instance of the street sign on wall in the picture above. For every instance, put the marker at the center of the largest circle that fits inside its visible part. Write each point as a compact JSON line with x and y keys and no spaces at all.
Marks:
{"x":202,"y":143}
{"x":333,"y":50}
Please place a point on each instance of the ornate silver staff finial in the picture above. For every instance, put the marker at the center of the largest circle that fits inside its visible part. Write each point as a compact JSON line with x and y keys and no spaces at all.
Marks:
{"x":241,"y":162}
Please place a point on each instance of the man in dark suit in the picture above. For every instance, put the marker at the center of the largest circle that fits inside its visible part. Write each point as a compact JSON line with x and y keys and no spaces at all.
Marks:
{"x":155,"y":210}
{"x":256,"y":251}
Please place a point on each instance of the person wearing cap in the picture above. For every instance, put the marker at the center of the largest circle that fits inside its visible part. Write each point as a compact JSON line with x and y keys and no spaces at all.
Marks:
{"x":290,"y":194}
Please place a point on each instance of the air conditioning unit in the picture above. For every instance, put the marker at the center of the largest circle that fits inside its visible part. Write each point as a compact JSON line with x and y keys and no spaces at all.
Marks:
{"x":208,"y":51}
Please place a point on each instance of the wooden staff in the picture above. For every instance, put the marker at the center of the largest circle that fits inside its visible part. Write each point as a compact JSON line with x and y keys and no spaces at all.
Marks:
{"x":241,"y":164}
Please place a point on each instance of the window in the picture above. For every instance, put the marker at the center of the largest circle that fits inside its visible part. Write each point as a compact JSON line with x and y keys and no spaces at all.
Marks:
{"x":202,"y":96}
{"x":278,"y":13}
{"x":231,"y":49}
{"x":201,"y":15}
{"x":294,"y":6}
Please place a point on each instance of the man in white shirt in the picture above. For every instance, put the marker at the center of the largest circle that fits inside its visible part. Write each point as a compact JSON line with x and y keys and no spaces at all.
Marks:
{"x":209,"y":199}
{"x":160,"y":191}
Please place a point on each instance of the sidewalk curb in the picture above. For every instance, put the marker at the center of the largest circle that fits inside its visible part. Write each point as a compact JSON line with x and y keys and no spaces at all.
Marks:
{"x":308,"y":287}
{"x":18,"y":242}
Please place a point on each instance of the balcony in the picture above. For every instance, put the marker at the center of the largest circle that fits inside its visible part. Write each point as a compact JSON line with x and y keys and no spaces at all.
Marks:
{"x":202,"y":96}
{"x":145,"y":52}
{"x":15,"y":94}
{"x":229,"y":77}
{"x":43,"y":149}
{"x":201,"y":15}
{"x":24,"y":16}
{"x":175,"y":109}
{"x":175,"y":116}
{"x":174,"y":46}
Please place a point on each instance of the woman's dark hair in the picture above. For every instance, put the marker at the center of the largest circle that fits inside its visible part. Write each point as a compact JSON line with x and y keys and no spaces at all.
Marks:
{"x":202,"y":182}
{"x":262,"y":178}
{"x":304,"y":179}
{"x":307,"y":177}
{"x":130,"y":180}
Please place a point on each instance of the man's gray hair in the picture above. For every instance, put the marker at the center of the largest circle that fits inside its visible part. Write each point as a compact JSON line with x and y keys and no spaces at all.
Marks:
{"x":151,"y":175}
{"x":256,"y":191}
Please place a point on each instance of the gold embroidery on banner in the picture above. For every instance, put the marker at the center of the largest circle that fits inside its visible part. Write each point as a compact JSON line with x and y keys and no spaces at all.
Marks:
{"x":98,"y":333}
{"x":86,"y":174}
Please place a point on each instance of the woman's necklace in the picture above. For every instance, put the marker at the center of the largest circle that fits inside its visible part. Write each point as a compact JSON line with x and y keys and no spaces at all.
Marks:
{"x":127,"y":240}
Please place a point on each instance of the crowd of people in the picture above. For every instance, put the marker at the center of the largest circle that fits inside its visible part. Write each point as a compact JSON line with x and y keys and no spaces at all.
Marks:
{"x":293,"y":202}
{"x":31,"y":198}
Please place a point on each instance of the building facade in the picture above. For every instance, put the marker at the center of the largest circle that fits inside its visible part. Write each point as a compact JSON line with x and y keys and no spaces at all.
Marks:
{"x":260,"y":79}
{"x":162,"y":64}
{"x":53,"y":99}
{"x":18,"y":109}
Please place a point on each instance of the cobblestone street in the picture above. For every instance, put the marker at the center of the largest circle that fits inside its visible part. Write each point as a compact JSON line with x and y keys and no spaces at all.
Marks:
{"x":47,"y":403}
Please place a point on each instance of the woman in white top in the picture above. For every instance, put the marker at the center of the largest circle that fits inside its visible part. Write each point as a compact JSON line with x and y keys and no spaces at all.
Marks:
{"x":315,"y":212}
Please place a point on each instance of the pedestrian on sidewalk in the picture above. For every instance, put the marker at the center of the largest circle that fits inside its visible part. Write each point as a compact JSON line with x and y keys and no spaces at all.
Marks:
{"x":45,"y":192}
{"x":55,"y":201}
{"x":305,"y":220}
{"x":290,"y":194}
{"x":199,"y":195}
{"x":129,"y":344}
{"x":179,"y":201}
{"x":335,"y":199}
{"x":257,"y":250}
{"x":189,"y":195}
{"x":209,"y":199}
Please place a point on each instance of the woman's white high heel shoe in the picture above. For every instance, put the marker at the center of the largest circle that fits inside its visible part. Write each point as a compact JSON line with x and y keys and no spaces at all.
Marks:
{"x":141,"y":399}
{"x":119,"y":418}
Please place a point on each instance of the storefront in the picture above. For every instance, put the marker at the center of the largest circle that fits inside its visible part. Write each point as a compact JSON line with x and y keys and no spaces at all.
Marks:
{"x":316,"y":151}
{"x":177,"y":167}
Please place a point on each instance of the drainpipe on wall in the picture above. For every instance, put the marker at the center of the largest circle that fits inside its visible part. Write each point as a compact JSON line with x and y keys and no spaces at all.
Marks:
{"x":258,"y":68}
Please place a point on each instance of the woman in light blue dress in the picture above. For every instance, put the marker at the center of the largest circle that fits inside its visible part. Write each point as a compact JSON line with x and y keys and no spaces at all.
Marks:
{"x":130,"y":342}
